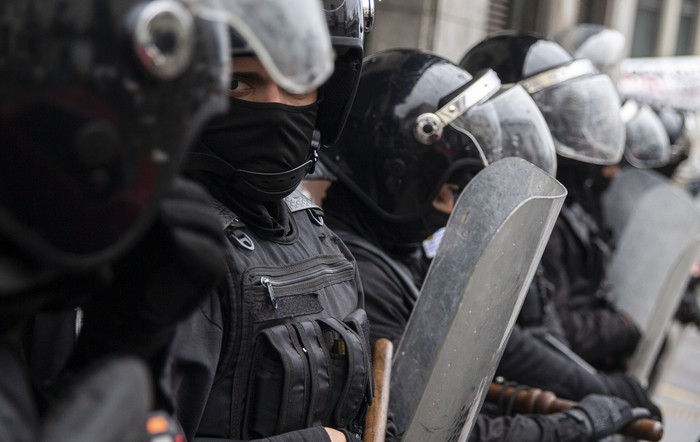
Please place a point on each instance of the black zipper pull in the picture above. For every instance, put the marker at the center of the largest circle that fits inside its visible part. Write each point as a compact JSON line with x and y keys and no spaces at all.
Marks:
{"x":265,"y":281}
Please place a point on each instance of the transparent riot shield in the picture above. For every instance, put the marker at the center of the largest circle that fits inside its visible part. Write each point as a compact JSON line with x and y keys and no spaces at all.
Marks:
{"x":470,"y":299}
{"x":649,"y":269}
{"x":623,"y":194}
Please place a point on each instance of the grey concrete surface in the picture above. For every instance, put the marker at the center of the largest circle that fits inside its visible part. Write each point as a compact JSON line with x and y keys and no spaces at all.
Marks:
{"x":677,"y":389}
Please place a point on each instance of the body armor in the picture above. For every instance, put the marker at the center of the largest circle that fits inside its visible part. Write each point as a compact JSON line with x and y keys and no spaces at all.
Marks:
{"x":296,"y":349}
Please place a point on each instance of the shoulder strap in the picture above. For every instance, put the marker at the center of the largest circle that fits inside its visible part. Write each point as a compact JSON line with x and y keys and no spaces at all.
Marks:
{"x":226,"y":216}
{"x":297,"y":201}
{"x":233,"y":227}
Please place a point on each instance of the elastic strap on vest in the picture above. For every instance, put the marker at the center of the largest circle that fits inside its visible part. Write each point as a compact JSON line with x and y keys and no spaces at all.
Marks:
{"x":234,"y":228}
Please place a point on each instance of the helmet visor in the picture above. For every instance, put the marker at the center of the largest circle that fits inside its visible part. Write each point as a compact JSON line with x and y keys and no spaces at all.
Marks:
{"x":583,"y":115}
{"x":647,"y":144}
{"x":604,"y":47}
{"x":509,"y":125}
{"x":292,"y":42}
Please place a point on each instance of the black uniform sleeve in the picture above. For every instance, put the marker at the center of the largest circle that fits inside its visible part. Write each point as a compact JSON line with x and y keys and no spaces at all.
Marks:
{"x":593,"y":328}
{"x":529,"y":361}
{"x":597,"y":333}
{"x":192,"y":363}
{"x":557,"y":427}
{"x":387,"y":304}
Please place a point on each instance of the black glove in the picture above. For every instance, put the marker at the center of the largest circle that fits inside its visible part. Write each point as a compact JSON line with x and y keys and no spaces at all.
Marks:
{"x":689,"y":311}
{"x":159,"y":282}
{"x":621,"y":339}
{"x":603,"y":416}
{"x":627,"y":388}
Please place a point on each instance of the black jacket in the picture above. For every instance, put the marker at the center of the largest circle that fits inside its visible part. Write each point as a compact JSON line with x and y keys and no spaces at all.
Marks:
{"x":574,"y":262}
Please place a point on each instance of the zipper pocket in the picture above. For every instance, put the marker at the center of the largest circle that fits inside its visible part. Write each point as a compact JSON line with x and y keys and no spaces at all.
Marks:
{"x":311,"y":278}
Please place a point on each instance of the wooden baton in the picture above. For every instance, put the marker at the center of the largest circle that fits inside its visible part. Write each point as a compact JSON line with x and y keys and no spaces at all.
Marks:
{"x":375,"y":421}
{"x":534,"y":400}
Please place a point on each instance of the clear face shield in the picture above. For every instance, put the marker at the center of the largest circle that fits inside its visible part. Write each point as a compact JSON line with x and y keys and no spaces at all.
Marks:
{"x":647,"y":144}
{"x":291,"y":41}
{"x":604,"y":47}
{"x":498,"y":121}
{"x":582,"y":109}
{"x":509,"y":125}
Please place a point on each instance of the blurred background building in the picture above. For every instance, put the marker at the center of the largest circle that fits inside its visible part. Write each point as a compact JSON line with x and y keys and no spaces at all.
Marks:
{"x":450,"y":27}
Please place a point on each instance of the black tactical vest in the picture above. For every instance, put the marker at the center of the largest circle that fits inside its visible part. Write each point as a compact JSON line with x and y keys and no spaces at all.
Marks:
{"x":296,"y":350}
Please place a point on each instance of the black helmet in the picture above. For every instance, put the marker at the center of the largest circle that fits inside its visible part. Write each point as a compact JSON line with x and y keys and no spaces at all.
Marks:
{"x":605,"y":47}
{"x":673,"y":121}
{"x":419,"y":120}
{"x":674,"y":124}
{"x":580,"y":104}
{"x":348,"y":22}
{"x":647,"y":144}
{"x":98,"y":102}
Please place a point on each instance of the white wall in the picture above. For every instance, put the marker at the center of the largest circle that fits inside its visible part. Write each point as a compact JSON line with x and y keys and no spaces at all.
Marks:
{"x":446,"y":27}
{"x":459,"y":25}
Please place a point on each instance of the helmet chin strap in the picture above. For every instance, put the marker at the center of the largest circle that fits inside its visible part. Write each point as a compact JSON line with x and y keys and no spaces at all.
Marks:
{"x":313,"y":152}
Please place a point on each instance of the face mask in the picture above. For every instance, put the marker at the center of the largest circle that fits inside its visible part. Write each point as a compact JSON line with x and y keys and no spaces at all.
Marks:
{"x":269,"y":145}
{"x":434,"y":219}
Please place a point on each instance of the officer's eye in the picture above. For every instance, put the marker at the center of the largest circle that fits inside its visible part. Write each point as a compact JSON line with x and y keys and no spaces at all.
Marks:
{"x":239,"y":86}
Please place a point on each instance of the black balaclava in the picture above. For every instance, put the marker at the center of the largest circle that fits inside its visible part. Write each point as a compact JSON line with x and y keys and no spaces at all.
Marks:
{"x":270,"y":141}
{"x":585,"y":184}
{"x":264,"y":138}
{"x":396,"y":238}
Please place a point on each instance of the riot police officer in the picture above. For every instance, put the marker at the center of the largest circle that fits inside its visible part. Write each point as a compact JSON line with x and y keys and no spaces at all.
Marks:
{"x":280,"y":350}
{"x":98,"y":103}
{"x":396,"y":184}
{"x":582,"y":110}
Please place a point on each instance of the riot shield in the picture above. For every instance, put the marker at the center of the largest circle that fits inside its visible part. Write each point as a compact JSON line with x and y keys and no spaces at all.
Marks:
{"x":470,"y":299}
{"x":649,"y":269}
{"x":624,"y":193}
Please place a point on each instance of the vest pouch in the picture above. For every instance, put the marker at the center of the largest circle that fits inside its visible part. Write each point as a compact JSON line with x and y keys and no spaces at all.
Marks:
{"x":279,"y":383}
{"x":318,"y":353}
{"x":359,"y":323}
{"x":348,"y":355}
